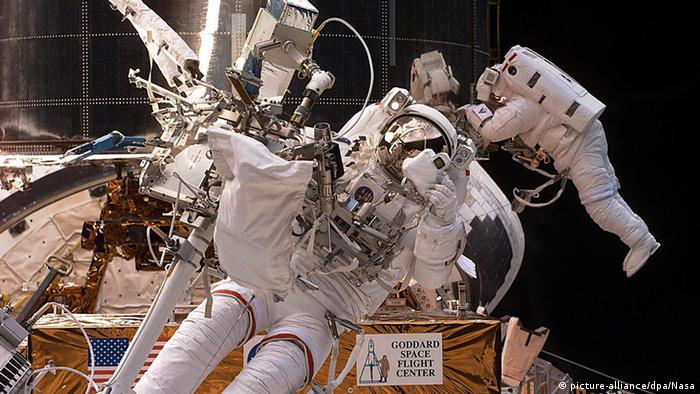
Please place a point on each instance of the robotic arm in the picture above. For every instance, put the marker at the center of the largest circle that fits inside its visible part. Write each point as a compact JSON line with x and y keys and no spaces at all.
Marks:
{"x":107,"y":142}
{"x":176,"y":60}
{"x":320,"y":81}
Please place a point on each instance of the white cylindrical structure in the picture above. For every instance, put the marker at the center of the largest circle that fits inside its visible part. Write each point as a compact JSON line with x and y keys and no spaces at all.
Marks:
{"x":150,"y":329}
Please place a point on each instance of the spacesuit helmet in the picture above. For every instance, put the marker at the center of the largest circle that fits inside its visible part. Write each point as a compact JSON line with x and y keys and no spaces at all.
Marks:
{"x":417,"y":128}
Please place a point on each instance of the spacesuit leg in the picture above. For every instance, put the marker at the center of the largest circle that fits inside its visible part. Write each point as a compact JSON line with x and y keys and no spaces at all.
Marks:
{"x":200,"y":343}
{"x":594,"y":177}
{"x":613,"y":215}
{"x":279,"y":367}
{"x":291,"y":353}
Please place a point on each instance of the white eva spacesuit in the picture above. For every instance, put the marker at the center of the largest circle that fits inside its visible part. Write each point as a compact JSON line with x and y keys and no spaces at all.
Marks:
{"x":263,"y":198}
{"x":546,"y":108}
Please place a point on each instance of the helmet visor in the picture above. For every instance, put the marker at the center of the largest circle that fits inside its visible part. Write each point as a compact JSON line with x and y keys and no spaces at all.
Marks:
{"x":405,"y":137}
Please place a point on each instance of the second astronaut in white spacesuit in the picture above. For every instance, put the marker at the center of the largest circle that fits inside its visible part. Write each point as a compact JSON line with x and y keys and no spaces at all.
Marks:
{"x":262,"y":197}
{"x":546,"y":108}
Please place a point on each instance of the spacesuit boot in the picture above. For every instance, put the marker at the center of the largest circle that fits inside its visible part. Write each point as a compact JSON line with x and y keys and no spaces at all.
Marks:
{"x":639,"y":254}
{"x":613,"y":215}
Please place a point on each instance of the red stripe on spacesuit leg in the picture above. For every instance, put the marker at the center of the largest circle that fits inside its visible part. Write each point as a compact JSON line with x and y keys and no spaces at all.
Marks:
{"x":249,"y":307}
{"x":307,"y":351}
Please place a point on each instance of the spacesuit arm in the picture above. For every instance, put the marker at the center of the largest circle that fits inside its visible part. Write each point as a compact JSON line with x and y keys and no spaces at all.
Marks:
{"x":440,"y":236}
{"x":518,"y":115}
{"x":436,"y":250}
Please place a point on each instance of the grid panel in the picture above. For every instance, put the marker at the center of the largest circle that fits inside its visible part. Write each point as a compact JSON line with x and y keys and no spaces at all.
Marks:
{"x":76,"y":53}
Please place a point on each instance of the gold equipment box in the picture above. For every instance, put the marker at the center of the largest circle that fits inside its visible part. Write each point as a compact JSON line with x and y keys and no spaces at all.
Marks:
{"x":421,"y":355}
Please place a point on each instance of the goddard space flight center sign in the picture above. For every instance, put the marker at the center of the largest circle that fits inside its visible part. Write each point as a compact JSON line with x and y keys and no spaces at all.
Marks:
{"x":400,"y":359}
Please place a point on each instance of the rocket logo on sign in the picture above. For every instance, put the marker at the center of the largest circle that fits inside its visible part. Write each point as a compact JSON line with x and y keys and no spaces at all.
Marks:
{"x":400,"y":359}
{"x":374,"y":370}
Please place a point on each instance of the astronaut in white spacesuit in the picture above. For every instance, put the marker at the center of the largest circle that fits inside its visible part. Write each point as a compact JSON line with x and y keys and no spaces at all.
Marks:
{"x":260,"y":232}
{"x":536,"y":101}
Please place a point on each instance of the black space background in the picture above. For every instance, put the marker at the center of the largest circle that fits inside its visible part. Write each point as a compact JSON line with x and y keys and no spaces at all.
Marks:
{"x":636,"y":57}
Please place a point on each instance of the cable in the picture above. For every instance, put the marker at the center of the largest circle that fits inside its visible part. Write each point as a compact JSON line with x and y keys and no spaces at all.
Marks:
{"x":333,"y":383}
{"x":170,"y":231}
{"x":91,"y":379}
{"x":75,"y":371}
{"x":175,"y":206}
{"x":531,"y":168}
{"x":150,"y":245}
{"x":195,"y":190}
{"x":535,"y":193}
{"x":590,"y":369}
{"x":369,"y":61}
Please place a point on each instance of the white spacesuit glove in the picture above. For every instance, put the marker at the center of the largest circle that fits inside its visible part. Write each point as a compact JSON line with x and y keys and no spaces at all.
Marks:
{"x":426,"y":171}
{"x":443,"y":198}
{"x":423,"y":169}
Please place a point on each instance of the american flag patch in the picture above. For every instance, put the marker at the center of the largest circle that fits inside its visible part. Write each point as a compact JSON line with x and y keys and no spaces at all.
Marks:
{"x":108,"y":353}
